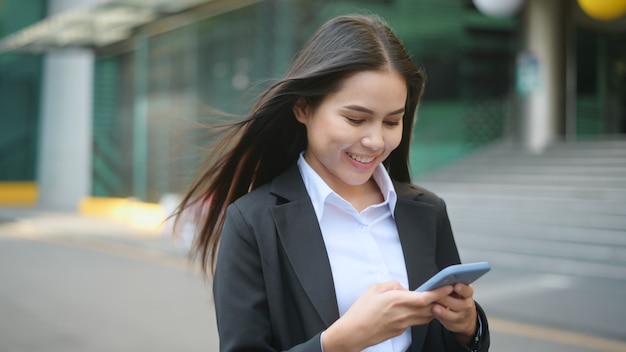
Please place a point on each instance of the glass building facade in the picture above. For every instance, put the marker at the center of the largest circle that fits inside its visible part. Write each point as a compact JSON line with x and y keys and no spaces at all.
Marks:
{"x":220,"y":63}
{"x":20,"y":86}
{"x":155,"y":91}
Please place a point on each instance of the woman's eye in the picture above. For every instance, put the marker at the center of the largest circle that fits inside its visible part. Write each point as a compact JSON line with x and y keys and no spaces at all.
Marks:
{"x":392,"y":123}
{"x":354,"y":121}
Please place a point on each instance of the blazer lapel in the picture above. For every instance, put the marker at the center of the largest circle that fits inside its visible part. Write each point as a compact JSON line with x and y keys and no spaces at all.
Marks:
{"x":415,"y":223}
{"x":302,"y":240}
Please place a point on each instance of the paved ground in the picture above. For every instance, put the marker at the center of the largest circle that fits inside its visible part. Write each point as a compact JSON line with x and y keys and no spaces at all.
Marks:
{"x":70,"y":283}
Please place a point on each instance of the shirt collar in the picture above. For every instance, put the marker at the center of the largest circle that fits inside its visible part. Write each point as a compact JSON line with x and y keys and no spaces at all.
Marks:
{"x":318,"y":190}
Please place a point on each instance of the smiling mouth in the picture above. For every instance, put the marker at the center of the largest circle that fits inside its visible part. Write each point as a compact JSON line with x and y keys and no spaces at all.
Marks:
{"x":361,"y":159}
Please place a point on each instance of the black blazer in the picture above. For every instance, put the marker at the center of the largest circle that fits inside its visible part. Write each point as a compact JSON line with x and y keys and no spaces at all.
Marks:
{"x":273,"y":286}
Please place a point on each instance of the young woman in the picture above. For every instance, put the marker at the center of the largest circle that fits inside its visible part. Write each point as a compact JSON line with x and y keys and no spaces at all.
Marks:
{"x":322,"y":237}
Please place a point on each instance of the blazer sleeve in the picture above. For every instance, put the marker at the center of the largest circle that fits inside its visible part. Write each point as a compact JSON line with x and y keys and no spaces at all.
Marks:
{"x":241,"y":302}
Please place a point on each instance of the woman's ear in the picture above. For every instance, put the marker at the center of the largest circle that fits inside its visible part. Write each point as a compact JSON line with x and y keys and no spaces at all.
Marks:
{"x":301,"y":109}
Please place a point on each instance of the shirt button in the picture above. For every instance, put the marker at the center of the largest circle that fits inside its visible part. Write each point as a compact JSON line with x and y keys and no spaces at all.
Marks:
{"x":362,"y":228}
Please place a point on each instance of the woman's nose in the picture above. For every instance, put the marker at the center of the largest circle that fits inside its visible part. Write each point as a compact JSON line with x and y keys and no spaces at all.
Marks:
{"x":373,"y":138}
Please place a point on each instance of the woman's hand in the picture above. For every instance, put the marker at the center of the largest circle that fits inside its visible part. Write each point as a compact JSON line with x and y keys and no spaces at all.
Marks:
{"x":382,"y":312}
{"x":457,"y":313}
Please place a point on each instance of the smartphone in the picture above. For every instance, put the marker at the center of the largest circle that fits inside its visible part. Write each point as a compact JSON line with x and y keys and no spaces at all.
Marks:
{"x":464,"y":273}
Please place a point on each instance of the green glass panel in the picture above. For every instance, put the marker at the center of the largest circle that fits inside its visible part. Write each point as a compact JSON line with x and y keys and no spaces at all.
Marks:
{"x":20,"y":81}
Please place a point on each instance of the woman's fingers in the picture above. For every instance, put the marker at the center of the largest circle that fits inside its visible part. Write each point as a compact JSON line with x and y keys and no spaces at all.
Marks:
{"x":457,"y":312}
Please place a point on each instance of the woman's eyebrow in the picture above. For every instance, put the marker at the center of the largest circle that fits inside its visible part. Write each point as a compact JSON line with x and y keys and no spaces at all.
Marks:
{"x":368,"y":111}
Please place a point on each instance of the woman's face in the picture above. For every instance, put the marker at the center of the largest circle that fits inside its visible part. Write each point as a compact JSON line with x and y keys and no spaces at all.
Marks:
{"x":354,"y":129}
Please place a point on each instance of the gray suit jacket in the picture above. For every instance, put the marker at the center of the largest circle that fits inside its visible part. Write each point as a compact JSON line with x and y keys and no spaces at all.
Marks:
{"x":273,"y":286}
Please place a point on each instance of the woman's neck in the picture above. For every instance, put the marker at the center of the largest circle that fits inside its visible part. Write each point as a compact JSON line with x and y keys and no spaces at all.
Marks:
{"x":362,"y":196}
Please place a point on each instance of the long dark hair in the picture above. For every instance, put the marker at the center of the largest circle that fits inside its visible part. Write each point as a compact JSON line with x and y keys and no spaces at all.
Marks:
{"x":264,"y":144}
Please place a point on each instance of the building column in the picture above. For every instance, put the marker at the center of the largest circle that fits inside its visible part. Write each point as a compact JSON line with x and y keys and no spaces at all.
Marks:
{"x":542,"y":112}
{"x":65,"y":130}
{"x":65,"y":138}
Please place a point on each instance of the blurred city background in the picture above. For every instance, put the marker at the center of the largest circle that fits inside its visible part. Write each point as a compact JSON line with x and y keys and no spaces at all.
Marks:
{"x":103,"y":104}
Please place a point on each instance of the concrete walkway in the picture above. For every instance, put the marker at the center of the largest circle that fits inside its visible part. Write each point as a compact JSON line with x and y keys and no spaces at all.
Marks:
{"x":527,"y":310}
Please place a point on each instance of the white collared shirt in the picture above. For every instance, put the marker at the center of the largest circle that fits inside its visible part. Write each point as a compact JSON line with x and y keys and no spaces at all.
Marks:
{"x":363,"y":247}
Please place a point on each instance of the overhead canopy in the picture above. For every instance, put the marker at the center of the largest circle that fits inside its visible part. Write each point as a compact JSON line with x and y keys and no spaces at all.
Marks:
{"x":105,"y":22}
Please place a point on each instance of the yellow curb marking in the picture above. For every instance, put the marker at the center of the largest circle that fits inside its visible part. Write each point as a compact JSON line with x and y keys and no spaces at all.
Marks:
{"x":558,"y":336}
